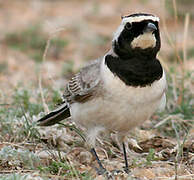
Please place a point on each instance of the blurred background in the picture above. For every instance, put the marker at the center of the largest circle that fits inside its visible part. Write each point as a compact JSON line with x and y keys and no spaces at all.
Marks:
{"x":44,"y":42}
{"x":80,"y":31}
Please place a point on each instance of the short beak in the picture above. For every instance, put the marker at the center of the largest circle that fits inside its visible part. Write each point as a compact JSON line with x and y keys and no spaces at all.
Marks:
{"x":150,"y":27}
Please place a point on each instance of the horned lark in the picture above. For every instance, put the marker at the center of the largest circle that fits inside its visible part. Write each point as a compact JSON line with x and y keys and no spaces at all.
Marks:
{"x":122,"y":89}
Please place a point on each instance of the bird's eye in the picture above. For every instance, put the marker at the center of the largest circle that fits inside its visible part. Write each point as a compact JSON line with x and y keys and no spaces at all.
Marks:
{"x":128,"y":26}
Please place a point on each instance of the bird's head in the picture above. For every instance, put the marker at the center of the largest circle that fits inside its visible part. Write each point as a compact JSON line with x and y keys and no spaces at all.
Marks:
{"x":138,"y":35}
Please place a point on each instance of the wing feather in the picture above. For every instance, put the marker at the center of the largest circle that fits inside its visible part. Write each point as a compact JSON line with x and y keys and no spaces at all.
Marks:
{"x":82,"y":86}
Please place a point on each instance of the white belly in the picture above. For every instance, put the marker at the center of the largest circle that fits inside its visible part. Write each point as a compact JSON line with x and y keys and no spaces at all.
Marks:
{"x":122,"y":107}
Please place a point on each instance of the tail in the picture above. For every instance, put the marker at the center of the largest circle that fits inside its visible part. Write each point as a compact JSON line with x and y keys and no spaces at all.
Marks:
{"x":59,"y":114}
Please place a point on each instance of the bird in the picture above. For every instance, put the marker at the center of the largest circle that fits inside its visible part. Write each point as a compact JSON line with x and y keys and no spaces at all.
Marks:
{"x":119,"y":90}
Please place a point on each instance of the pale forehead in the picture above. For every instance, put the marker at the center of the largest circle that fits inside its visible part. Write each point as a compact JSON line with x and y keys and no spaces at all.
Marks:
{"x":139,"y":19}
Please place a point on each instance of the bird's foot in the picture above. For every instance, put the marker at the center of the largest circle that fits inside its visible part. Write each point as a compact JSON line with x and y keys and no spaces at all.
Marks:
{"x":115,"y":172}
{"x":126,"y":169}
{"x":100,"y":171}
{"x":108,"y":174}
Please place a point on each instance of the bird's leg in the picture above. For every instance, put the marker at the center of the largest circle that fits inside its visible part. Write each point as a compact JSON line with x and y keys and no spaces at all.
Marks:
{"x":126,"y":168}
{"x":101,"y":170}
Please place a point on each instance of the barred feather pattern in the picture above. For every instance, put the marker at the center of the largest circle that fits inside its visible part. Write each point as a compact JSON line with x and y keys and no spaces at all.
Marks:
{"x":82,"y":85}
{"x":74,"y":85}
